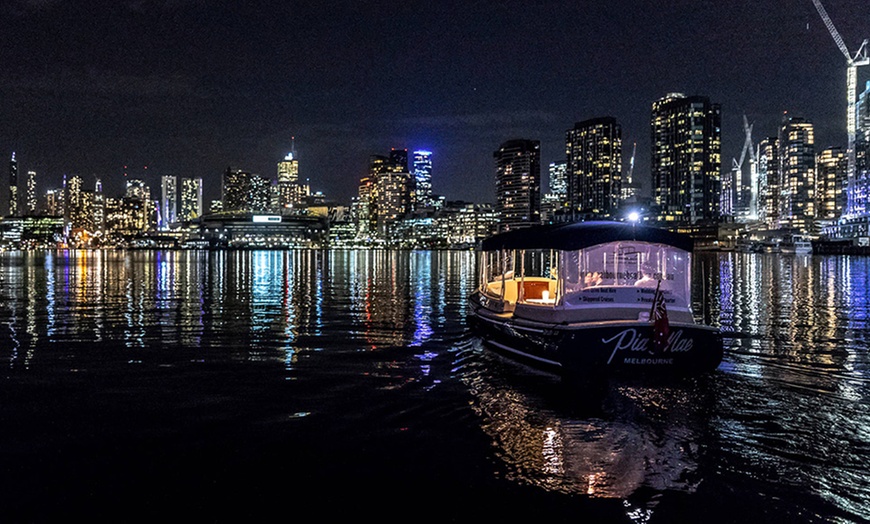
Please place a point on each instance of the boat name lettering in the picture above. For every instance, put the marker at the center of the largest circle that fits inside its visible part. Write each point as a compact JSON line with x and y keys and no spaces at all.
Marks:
{"x":629,"y":339}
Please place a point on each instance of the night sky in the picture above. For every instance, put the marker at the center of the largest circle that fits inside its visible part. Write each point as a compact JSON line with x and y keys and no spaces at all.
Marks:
{"x":192,"y":87}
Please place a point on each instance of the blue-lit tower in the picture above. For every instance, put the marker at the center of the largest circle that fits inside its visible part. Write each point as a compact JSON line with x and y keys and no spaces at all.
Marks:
{"x":423,"y":178}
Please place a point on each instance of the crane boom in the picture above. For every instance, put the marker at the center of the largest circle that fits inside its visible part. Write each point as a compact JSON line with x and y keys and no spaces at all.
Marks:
{"x":831,"y":29}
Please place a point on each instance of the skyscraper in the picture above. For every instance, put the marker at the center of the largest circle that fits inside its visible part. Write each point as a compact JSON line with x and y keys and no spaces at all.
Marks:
{"x":555,"y":202}
{"x":191,"y":198}
{"x":30,"y":197}
{"x":385,"y":193}
{"x":686,"y":158}
{"x":138,"y":207}
{"x":168,"y":201}
{"x":518,"y":183}
{"x":858,"y":190}
{"x":769,"y":181}
{"x":13,"y":186}
{"x":832,"y":169}
{"x":243,"y":191}
{"x":423,"y":179}
{"x":797,"y":206}
{"x":77,"y":207}
{"x":99,"y":207}
{"x":289,"y":190}
{"x":594,"y":163}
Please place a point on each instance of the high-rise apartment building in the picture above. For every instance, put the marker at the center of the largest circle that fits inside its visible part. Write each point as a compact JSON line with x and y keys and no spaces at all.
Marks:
{"x":99,"y":207}
{"x":797,"y":206}
{"x":385,"y":194}
{"x":832,"y":170}
{"x":136,"y":188}
{"x":769,"y":181}
{"x":191,"y":198}
{"x":13,"y":186}
{"x":518,"y":183}
{"x":555,"y":202}
{"x":54,"y":200}
{"x":77,"y":207}
{"x":686,"y":158}
{"x":422,"y":161}
{"x":30,"y":201}
{"x":243,"y":191}
{"x":593,"y":150}
{"x":136,"y":207}
{"x":168,"y":201}
{"x":858,"y":189}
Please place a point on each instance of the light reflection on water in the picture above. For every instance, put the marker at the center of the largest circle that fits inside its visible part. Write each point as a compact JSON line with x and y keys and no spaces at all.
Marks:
{"x":782,"y":427}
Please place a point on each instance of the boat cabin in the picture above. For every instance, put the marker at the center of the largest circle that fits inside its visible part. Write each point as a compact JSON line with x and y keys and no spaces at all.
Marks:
{"x":586,"y":271}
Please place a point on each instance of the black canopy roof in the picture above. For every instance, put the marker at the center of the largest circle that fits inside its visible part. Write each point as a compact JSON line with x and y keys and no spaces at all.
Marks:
{"x":579,"y":235}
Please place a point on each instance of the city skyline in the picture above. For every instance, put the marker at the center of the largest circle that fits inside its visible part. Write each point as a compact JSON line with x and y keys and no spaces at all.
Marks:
{"x":189,"y":90}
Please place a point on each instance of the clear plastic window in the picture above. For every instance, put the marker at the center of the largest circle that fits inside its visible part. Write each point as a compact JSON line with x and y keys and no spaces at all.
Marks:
{"x":629,"y":264}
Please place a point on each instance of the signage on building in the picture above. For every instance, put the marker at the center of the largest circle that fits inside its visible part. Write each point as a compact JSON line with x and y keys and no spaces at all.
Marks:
{"x":267,"y":218}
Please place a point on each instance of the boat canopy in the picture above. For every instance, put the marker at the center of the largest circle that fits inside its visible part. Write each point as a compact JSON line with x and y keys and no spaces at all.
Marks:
{"x":580,"y":235}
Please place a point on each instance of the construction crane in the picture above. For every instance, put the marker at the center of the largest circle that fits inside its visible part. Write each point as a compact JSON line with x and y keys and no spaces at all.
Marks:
{"x":852,"y":63}
{"x":746,"y":199}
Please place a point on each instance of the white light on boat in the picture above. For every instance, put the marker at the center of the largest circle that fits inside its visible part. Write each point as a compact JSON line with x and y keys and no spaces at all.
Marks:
{"x":545,"y":295}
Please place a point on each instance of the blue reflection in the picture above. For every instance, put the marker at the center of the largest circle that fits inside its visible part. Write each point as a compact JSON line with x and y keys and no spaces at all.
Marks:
{"x":421,"y":276}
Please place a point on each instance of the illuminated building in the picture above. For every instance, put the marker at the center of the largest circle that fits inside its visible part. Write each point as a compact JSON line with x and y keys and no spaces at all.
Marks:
{"x":13,"y":186}
{"x":252,"y":230}
{"x":32,"y":232}
{"x":191,"y":198}
{"x":168,"y":201}
{"x":518,"y":183}
{"x":136,"y":188}
{"x":456,"y":225}
{"x":76,"y":208}
{"x":859,"y":194}
{"x":768,"y":181}
{"x":555,"y":201}
{"x":243,"y":191}
{"x":54,"y":202}
{"x":832,"y":169}
{"x":30,"y":196}
{"x":290,"y":192}
{"x":385,"y":195}
{"x":136,"y":208}
{"x":99,"y":208}
{"x":594,"y":166}
{"x":422,"y":179}
{"x":686,"y":158}
{"x":797,"y":206}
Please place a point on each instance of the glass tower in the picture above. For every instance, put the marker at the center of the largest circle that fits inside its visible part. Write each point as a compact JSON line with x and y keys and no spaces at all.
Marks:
{"x":686,"y":158}
{"x":518,"y":184}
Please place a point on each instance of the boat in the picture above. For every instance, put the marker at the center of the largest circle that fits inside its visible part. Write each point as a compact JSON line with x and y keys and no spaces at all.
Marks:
{"x":593,"y":298}
{"x":797,"y":245}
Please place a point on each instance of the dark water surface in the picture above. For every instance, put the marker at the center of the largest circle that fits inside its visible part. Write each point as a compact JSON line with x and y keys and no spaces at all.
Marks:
{"x":288,"y":386}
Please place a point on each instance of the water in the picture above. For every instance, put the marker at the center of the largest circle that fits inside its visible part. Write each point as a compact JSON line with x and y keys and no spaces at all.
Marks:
{"x":240,"y":386}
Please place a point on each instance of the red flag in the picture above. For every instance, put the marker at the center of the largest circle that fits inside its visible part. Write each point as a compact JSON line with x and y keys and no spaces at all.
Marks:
{"x":659,"y":316}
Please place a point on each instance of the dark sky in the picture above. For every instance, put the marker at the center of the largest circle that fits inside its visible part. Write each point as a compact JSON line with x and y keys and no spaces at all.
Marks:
{"x":191,"y":87}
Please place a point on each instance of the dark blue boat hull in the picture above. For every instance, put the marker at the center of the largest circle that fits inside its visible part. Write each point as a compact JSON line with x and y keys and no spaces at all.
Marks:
{"x":603,"y":347}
